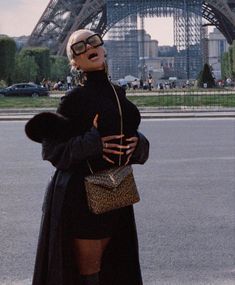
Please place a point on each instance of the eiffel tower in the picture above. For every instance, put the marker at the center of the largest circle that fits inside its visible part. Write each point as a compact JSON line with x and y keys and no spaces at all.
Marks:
{"x":62,"y":17}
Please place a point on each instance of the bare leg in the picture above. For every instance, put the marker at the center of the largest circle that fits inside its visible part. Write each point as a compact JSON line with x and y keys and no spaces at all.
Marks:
{"x":88,"y":254}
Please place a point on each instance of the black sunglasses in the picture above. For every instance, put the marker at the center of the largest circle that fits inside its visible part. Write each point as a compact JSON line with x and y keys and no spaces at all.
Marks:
{"x":80,"y":47}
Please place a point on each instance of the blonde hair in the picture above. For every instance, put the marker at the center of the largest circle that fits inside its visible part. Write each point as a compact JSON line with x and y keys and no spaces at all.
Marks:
{"x":72,"y":39}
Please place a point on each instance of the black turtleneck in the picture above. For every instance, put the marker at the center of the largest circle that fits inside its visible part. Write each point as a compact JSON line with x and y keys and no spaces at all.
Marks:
{"x":97,"y":97}
{"x":97,"y":77}
{"x":100,"y":87}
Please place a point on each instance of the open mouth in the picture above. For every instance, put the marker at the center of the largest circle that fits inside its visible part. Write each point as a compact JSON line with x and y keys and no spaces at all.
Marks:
{"x":92,"y":55}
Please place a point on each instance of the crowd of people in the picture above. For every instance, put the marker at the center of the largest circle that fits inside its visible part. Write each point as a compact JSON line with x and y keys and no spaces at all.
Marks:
{"x":59,"y":84}
{"x":148,"y":84}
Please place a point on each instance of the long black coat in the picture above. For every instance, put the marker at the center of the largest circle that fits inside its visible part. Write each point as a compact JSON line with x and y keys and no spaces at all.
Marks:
{"x":54,"y":263}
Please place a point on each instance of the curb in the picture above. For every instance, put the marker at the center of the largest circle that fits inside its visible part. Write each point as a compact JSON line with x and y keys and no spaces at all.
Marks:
{"x":26,"y":117}
{"x":146,"y":113}
{"x":180,"y":109}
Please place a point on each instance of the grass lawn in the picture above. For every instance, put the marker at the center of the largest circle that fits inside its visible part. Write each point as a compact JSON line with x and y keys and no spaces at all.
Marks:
{"x":227,"y":100}
{"x":29,"y":102}
{"x":184,"y":100}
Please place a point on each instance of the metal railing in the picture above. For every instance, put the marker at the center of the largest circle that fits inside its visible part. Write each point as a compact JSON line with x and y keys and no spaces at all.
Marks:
{"x":184,"y":99}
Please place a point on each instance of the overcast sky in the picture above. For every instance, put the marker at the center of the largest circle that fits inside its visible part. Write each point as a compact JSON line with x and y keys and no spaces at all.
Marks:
{"x":18,"y":17}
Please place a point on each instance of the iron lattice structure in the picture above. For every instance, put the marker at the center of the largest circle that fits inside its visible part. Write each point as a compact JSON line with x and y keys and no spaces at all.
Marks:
{"x":188,"y":39}
{"x":187,"y":30}
{"x":123,"y":38}
{"x":62,"y":17}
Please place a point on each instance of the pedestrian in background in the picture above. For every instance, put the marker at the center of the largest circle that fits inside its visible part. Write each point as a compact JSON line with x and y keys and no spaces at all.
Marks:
{"x":69,"y":81}
{"x":150,"y":82}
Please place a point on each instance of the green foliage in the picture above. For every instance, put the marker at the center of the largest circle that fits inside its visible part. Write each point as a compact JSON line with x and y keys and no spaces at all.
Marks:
{"x":233,"y":59}
{"x":26,"y":68}
{"x":228,"y":63}
{"x":223,"y":66}
{"x":206,"y":76}
{"x":30,"y":64}
{"x":59,"y":67}
{"x":42,"y":59}
{"x":7,"y":58}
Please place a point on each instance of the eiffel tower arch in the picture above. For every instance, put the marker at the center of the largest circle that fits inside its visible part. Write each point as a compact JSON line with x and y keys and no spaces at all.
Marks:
{"x":62,"y":17}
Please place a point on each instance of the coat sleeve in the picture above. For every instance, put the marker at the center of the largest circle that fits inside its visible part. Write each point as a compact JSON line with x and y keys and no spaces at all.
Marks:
{"x":64,"y":154}
{"x":141,"y":152}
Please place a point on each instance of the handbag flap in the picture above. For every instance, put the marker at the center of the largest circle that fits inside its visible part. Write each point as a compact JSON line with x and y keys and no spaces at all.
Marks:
{"x":110,"y":178}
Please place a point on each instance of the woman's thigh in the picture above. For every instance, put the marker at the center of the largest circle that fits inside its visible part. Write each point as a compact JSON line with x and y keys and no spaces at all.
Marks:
{"x":88,"y":254}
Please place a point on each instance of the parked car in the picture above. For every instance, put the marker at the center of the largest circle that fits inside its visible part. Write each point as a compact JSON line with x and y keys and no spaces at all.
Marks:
{"x":24,"y":89}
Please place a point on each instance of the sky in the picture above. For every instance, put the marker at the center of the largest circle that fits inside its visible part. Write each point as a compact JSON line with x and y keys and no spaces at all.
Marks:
{"x":19,"y":17}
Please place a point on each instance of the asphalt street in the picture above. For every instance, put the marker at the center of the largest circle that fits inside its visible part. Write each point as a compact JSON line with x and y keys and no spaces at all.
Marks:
{"x":186,"y":217}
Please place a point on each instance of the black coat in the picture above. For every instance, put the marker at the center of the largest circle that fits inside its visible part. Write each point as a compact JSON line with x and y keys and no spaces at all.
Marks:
{"x":68,"y":141}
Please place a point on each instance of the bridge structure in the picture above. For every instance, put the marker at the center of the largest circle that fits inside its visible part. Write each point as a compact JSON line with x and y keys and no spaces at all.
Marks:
{"x":62,"y":17}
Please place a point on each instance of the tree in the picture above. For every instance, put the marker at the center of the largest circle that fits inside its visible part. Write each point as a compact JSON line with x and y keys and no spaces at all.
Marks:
{"x":233,"y":58}
{"x":59,"y":67}
{"x":26,"y":69}
{"x":7,"y":58}
{"x":228,"y":63}
{"x":206,"y":77}
{"x":42,"y":58}
{"x":225,"y":65}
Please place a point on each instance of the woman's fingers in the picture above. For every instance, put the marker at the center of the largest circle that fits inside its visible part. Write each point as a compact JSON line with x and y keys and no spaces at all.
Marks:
{"x":131,"y":148}
{"x":132,"y":145}
{"x":95,"y":121}
{"x":132,"y":139}
{"x":130,"y":151}
{"x":111,"y":148}
{"x":108,"y":159}
{"x":114,"y":145}
{"x":111,"y":151}
{"x":117,"y":149}
{"x":113,"y":137}
{"x":128,"y":159}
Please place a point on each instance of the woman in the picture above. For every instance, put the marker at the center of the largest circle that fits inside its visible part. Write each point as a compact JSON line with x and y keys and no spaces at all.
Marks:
{"x":75,"y":245}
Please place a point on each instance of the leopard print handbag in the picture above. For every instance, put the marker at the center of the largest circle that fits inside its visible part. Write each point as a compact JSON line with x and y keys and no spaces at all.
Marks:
{"x":111,"y":189}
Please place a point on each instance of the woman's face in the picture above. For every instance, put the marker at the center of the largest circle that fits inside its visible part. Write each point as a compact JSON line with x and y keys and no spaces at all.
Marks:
{"x":93,"y":58}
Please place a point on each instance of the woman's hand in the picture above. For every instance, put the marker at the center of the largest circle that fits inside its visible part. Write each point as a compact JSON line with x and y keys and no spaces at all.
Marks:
{"x":131,"y":147}
{"x":112,"y":148}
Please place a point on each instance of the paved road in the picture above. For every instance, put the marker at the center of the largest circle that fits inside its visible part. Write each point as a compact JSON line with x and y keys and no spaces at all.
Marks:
{"x":185,"y":219}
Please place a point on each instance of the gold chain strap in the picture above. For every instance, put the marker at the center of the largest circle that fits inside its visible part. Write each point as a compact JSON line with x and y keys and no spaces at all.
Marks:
{"x":121,"y":124}
{"x":121,"y":117}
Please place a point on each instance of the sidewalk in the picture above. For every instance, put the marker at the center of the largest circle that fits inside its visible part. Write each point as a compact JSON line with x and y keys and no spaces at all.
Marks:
{"x":146,"y":113}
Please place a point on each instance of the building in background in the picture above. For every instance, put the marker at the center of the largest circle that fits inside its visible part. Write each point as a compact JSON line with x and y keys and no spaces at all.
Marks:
{"x":159,"y":60}
{"x":126,"y":56}
{"x":217,"y":45}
